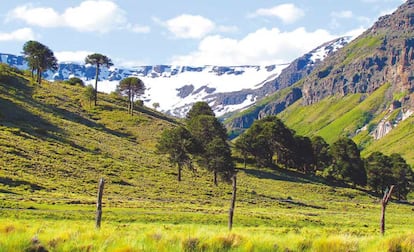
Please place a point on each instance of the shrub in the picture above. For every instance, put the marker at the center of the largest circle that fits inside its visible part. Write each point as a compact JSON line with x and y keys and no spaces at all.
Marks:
{"x":190,"y":244}
{"x":139,"y":103}
{"x":75,"y":81}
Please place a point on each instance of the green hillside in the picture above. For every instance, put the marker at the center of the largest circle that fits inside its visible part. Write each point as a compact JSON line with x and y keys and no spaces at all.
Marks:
{"x":336,"y":116}
{"x":54,"y":148}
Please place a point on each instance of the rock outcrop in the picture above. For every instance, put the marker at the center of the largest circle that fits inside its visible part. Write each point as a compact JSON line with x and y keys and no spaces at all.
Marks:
{"x":382,"y":54}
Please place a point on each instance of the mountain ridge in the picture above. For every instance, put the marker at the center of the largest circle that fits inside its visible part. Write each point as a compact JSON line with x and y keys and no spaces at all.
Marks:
{"x":176,"y":88}
{"x":375,"y":71}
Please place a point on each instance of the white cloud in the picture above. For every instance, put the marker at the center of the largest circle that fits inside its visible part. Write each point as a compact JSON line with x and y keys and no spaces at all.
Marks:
{"x":89,"y":16}
{"x":129,"y":63}
{"x":43,"y":17}
{"x":378,"y":1}
{"x":138,"y":28}
{"x":342,"y":14}
{"x":387,"y":12}
{"x":262,"y":47}
{"x":101,"y":16}
{"x":23,"y":34}
{"x":72,"y":56}
{"x":229,"y":29}
{"x":189,"y":26}
{"x":288,"y":13}
{"x":356,"y":32}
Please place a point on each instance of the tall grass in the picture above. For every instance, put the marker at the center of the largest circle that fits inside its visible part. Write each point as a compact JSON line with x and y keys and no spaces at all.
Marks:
{"x":81,"y":236}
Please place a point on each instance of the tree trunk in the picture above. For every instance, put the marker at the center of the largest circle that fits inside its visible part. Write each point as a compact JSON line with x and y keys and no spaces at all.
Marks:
{"x":129,"y":101}
{"x":99,"y":203}
{"x":96,"y":85}
{"x":233,"y":202}
{"x":39,"y":76}
{"x":132,"y":105}
{"x":384,"y":202}
{"x":382,"y":224}
{"x":215,"y":178}
{"x":179,"y":173}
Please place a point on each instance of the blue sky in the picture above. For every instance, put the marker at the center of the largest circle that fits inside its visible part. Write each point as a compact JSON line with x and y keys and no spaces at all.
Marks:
{"x":185,"y":32}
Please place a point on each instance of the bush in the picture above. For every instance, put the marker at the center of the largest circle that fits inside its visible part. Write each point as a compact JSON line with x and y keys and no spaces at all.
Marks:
{"x":75,"y":81}
{"x":190,"y":244}
{"x":139,"y":103}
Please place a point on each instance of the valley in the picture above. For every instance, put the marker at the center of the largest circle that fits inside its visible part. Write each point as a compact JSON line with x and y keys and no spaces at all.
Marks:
{"x":258,"y":123}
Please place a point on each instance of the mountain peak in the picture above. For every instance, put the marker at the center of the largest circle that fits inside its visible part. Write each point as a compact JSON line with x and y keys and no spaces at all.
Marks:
{"x":401,"y":20}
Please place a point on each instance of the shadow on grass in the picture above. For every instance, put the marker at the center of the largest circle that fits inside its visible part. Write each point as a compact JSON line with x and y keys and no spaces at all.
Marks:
{"x":14,"y":104}
{"x":74,"y":117}
{"x":300,"y":204}
{"x":13,"y":114}
{"x":155,"y":114}
{"x":280,"y":174}
{"x":17,"y":183}
{"x":7,"y":192}
{"x":277,"y":173}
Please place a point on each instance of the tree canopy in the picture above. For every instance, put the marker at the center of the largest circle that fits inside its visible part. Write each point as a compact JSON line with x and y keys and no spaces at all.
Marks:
{"x":204,"y":139}
{"x":179,"y":144}
{"x":211,"y":135}
{"x":268,"y":141}
{"x":268,"y":138}
{"x":40,"y":58}
{"x":199,"y":108}
{"x":132,"y":87}
{"x":347,"y":164}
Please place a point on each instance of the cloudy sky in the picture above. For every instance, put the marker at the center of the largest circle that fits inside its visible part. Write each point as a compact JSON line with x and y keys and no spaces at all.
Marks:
{"x":185,"y":32}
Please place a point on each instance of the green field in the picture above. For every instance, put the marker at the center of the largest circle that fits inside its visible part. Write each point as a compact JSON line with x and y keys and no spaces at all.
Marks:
{"x":54,"y":148}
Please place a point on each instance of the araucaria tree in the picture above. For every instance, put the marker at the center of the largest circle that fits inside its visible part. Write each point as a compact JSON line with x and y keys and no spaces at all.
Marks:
{"x":98,"y":60}
{"x":178,"y":144}
{"x":214,"y":152}
{"x":40,"y":58}
{"x":384,"y":171}
{"x":347,"y":164}
{"x":131,"y":87}
{"x":265,"y":139}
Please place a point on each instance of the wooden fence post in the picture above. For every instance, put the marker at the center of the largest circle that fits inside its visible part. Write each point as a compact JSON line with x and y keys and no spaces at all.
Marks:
{"x":99,"y":203}
{"x":384,"y":202}
{"x":233,"y":202}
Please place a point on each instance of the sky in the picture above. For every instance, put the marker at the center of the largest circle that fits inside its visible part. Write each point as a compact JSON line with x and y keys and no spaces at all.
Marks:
{"x":185,"y":32}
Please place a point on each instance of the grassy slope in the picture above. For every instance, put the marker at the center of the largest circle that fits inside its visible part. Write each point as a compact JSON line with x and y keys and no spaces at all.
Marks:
{"x":334,"y":117}
{"x":54,"y":148}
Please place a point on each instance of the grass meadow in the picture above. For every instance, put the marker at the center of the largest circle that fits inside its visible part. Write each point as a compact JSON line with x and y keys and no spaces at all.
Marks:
{"x":54,"y":148}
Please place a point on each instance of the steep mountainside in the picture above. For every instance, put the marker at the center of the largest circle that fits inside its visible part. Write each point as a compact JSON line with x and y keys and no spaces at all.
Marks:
{"x":382,"y":54}
{"x":363,"y":91}
{"x":176,"y":88}
{"x":297,"y":70}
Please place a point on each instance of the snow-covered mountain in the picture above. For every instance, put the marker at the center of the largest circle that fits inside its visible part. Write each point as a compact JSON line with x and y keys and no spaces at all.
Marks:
{"x":177,"y":88}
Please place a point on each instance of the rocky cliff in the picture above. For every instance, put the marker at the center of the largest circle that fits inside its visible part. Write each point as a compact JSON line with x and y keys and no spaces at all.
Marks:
{"x":382,"y":54}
